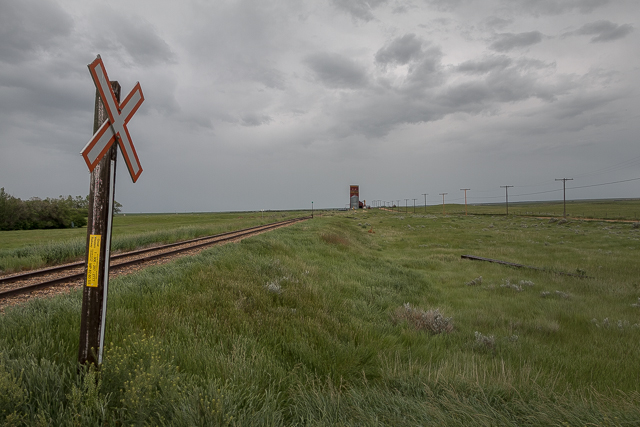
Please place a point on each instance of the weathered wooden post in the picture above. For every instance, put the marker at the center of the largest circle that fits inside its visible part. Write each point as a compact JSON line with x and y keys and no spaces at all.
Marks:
{"x":101,"y":197}
{"x":100,"y":153}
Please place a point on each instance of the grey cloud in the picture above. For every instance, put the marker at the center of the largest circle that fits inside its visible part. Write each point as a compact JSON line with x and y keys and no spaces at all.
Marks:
{"x":556,"y":7}
{"x":401,"y":50}
{"x":496,"y":23}
{"x":603,"y":31}
{"x":27,"y":26}
{"x":270,"y":77}
{"x":248,"y":69}
{"x":336,"y":71}
{"x":469,"y":97}
{"x":507,"y":41}
{"x":495,"y":81}
{"x":39,"y":92}
{"x":377,"y":115}
{"x":139,"y":40}
{"x":445,"y":5}
{"x":253,"y":119}
{"x":428,"y":72}
{"x":425,"y":68}
{"x":359,"y":9}
{"x":581,"y":104}
{"x":241,"y":41}
{"x":534,"y":64}
{"x":504,"y":86}
{"x":485,"y":65}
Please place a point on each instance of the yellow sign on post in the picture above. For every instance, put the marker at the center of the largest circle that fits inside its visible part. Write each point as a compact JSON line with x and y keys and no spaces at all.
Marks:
{"x":93,"y":261}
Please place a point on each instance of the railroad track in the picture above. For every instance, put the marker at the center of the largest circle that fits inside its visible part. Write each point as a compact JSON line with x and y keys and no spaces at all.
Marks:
{"x":21,"y":283}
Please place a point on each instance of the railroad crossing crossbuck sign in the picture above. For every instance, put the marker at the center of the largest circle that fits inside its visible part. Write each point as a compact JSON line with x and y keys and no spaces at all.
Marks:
{"x":115,"y":127}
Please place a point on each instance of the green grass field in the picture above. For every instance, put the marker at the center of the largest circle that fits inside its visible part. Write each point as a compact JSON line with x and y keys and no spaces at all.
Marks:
{"x":601,"y":209}
{"x":327,"y":323}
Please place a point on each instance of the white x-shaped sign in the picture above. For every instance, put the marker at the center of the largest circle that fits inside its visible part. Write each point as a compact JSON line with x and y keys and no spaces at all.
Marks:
{"x":115,"y":127}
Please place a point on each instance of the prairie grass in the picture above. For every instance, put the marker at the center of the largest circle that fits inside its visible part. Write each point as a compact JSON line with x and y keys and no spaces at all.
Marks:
{"x":311,"y":325}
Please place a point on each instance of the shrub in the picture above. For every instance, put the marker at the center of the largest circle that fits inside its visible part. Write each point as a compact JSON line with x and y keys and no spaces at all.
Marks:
{"x":484,"y":342}
{"x":507,"y":284}
{"x":35,"y":213}
{"x":475,"y":282}
{"x":431,"y":321}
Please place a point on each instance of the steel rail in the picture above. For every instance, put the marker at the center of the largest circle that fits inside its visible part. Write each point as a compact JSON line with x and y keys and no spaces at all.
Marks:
{"x":58,"y":268}
{"x":223,"y":237}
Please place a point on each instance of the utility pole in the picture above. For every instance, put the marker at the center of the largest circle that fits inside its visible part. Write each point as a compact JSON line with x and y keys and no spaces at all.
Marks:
{"x":311,"y":209}
{"x":406,"y":205}
{"x":465,"y":199}
{"x":425,"y":202}
{"x":564,"y":193}
{"x":443,"y":194}
{"x":414,"y":205}
{"x":506,"y":191}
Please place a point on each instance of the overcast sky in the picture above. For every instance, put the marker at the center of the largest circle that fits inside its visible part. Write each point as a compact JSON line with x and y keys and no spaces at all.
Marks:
{"x":258,"y":104}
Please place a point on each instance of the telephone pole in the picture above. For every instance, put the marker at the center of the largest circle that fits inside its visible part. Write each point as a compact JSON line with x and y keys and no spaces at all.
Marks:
{"x":564,"y":193}
{"x":506,"y":192}
{"x":406,"y":205}
{"x":414,"y":205}
{"x":443,"y":194}
{"x":465,"y":199}
{"x":425,"y":202}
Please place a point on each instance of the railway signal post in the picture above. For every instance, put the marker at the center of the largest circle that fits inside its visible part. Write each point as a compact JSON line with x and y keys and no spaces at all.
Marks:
{"x":100,"y":154}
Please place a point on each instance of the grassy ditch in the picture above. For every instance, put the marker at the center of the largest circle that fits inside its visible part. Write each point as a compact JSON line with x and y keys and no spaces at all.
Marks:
{"x":365,"y":318}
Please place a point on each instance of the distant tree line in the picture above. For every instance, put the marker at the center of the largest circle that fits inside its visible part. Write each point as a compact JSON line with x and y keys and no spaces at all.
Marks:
{"x":36,"y":213}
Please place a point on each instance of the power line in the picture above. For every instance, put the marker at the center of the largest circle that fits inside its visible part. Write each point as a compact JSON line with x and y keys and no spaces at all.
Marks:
{"x":605,"y":183}
{"x":629,"y":162}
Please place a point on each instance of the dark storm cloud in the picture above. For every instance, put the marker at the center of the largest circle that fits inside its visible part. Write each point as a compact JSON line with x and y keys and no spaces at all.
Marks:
{"x":508,"y":41}
{"x":336,"y":71}
{"x":359,"y":9}
{"x":28,"y":26}
{"x":602,"y":31}
{"x":400,"y":51}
